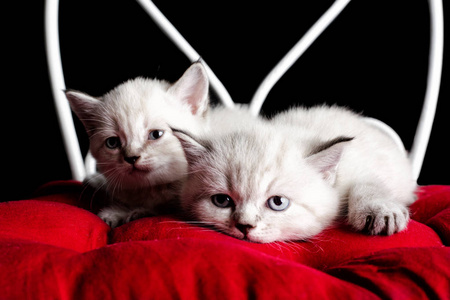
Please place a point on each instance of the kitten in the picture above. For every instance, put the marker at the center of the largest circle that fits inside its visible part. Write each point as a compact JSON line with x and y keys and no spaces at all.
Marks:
{"x":289,"y":178}
{"x":141,"y":163}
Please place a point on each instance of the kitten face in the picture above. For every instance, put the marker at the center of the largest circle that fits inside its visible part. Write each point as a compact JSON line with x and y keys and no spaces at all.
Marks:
{"x":256,"y":186}
{"x":128,"y":127}
{"x":132,"y":142}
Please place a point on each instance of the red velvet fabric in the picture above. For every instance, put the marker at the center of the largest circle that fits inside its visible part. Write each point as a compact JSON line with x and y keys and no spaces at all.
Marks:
{"x":54,"y":247}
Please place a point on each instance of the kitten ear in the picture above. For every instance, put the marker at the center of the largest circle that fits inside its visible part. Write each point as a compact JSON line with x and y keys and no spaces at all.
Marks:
{"x":84,"y":106}
{"x":192,"y":88}
{"x":325,"y":158}
{"x":193,"y":149}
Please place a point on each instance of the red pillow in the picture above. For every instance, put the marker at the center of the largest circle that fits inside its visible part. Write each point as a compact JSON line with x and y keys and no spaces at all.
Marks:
{"x":53,"y":247}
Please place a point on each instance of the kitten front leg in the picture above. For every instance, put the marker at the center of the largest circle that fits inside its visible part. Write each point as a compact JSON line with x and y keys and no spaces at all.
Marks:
{"x":373,"y":211}
{"x":116,"y":215}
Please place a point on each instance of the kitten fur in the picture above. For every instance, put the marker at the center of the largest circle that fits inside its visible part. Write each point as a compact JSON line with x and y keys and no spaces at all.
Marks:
{"x":289,"y":178}
{"x":140,"y":162}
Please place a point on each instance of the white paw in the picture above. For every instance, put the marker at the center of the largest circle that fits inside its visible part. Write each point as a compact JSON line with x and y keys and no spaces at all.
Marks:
{"x":379,"y":217}
{"x":115,"y":216}
{"x":112,"y":216}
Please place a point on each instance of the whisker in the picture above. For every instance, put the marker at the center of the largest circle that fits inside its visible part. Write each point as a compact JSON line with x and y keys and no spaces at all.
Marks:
{"x":96,"y":187}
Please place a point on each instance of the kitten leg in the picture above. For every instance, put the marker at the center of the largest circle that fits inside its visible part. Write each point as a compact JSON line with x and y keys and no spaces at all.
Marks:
{"x":116,"y":215}
{"x":376,"y":212}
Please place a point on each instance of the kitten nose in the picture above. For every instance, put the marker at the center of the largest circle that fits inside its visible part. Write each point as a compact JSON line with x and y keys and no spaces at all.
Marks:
{"x":131,"y":159}
{"x":244,"y":228}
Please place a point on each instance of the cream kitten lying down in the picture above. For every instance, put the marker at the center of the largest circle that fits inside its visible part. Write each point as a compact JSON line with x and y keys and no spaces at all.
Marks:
{"x":141,"y":163}
{"x":289,"y":178}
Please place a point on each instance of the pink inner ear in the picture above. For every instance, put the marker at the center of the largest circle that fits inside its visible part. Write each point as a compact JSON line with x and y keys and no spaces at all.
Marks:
{"x":327,"y":175}
{"x":196,"y":96}
{"x":192,"y":88}
{"x":326,"y":161}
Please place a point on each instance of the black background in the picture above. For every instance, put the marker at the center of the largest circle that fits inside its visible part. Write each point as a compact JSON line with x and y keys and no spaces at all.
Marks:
{"x":373,"y":58}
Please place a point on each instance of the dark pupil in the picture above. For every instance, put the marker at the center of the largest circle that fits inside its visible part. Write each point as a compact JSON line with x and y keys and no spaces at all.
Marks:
{"x":277,"y":201}
{"x":156,"y":134}
{"x":112,"y":142}
{"x":222,"y":199}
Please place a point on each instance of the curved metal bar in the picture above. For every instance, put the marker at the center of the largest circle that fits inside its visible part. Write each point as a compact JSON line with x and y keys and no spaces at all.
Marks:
{"x":291,"y":57}
{"x":171,"y":32}
{"x":425,"y":125}
{"x":58,"y":86}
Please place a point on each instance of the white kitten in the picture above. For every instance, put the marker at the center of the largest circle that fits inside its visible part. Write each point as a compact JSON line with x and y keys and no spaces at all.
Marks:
{"x":141,"y":163}
{"x":289,"y":178}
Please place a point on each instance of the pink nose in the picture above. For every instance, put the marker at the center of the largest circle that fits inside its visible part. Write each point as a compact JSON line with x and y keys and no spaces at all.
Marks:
{"x":244,"y":228}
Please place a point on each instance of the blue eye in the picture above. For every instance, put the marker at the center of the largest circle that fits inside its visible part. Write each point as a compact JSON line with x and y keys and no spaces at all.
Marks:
{"x":155,"y":134}
{"x":278,"y":203}
{"x":222,"y":200}
{"x":112,"y":142}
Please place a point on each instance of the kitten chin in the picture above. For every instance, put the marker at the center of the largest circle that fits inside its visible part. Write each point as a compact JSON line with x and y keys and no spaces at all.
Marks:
{"x":136,"y":178}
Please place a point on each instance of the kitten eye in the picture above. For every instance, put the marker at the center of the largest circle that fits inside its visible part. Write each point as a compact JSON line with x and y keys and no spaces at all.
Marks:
{"x":155,"y":134}
{"x":112,"y":142}
{"x":278,"y":203}
{"x":222,"y":200}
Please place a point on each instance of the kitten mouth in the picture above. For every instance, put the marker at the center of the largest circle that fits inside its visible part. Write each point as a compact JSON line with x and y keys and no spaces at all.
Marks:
{"x":139,"y":169}
{"x":253,"y":239}
{"x":246,"y":238}
{"x":250,"y":240}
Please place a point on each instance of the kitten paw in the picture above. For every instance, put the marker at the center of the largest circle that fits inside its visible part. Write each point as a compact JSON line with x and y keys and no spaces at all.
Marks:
{"x":112,"y":216}
{"x":115,"y":217}
{"x":379,"y":217}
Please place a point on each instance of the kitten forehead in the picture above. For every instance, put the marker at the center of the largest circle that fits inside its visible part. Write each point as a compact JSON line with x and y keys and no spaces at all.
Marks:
{"x":251,"y":163}
{"x":142,"y":104}
{"x":136,"y":93}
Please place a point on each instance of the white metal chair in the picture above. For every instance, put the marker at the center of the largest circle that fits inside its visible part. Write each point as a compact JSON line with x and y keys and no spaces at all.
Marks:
{"x":81,"y":167}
